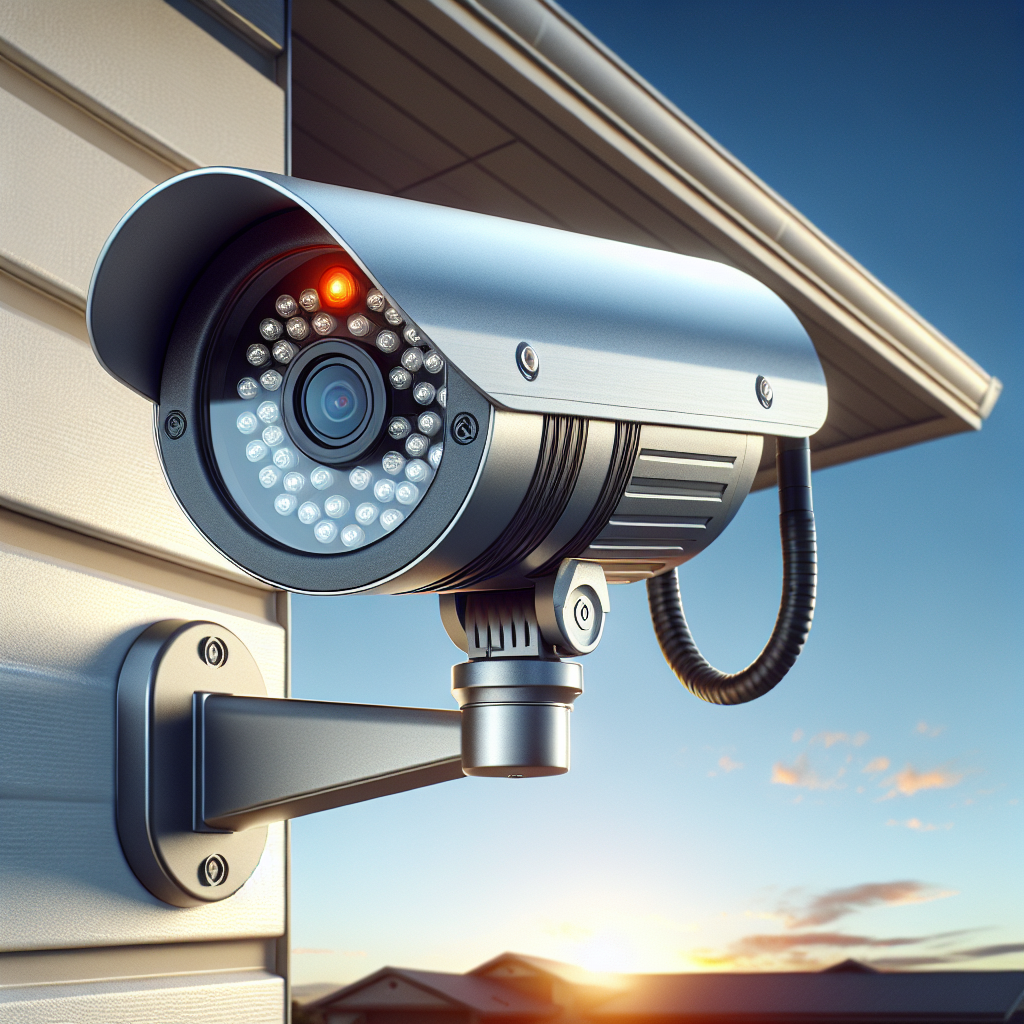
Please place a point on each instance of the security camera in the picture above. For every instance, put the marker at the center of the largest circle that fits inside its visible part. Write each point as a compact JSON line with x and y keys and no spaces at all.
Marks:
{"x":357,"y":393}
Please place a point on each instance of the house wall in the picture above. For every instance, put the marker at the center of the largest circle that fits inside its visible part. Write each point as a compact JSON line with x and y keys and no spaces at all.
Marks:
{"x":99,"y":101}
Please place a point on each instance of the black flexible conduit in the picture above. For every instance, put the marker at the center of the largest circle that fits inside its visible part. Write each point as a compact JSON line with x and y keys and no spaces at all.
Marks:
{"x":799,"y":585}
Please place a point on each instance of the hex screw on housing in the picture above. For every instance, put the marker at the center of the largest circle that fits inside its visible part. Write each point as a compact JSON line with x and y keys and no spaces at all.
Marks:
{"x":464,"y":428}
{"x":528,"y":361}
{"x":175,"y":424}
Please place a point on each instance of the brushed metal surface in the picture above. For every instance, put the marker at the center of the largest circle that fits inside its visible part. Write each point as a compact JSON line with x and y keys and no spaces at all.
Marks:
{"x":622,"y":332}
{"x":264,"y":760}
{"x":515,"y":715}
{"x":155,"y":758}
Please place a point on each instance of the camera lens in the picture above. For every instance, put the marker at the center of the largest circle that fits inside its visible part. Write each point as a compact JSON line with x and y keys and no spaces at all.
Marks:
{"x":335,"y":401}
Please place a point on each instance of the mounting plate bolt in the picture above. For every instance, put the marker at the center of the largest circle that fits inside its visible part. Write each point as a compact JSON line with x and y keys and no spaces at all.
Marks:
{"x":763,"y":387}
{"x":213,"y":651}
{"x":213,"y":870}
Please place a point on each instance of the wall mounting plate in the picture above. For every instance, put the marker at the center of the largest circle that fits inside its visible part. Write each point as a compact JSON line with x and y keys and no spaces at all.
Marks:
{"x":165,"y":667}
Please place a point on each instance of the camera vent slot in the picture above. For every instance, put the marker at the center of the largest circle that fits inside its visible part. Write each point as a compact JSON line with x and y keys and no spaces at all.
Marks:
{"x":676,"y":490}
{"x":685,"y":487}
{"x":502,"y":625}
{"x":652,"y":455}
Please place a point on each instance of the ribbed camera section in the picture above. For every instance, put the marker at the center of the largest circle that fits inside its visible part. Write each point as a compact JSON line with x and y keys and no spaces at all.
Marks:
{"x":684,"y":488}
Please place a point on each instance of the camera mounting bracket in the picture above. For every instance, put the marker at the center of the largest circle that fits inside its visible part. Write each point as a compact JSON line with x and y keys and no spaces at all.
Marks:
{"x":206,"y":760}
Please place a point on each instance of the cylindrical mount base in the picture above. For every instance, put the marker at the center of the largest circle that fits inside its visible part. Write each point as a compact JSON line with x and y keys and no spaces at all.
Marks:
{"x":515,"y":715}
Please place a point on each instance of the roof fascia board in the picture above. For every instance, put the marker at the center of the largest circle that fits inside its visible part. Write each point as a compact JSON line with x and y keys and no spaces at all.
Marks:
{"x":806,"y":267}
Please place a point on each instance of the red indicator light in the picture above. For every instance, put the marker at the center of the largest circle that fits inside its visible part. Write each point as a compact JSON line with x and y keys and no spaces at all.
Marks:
{"x":339,"y":288}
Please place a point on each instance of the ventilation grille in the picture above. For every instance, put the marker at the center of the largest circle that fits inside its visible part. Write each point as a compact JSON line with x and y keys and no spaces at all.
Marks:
{"x":676,"y":502}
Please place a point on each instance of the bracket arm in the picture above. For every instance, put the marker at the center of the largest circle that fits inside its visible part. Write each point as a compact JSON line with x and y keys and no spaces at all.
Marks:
{"x":263,"y":759}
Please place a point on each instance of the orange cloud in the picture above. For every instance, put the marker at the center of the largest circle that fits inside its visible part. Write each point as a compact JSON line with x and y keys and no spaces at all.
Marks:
{"x":836,"y":903}
{"x":801,"y":774}
{"x":727,"y":764}
{"x":754,"y":944}
{"x":916,"y":825}
{"x":928,"y":730}
{"x":875,"y":765}
{"x":910,"y":781}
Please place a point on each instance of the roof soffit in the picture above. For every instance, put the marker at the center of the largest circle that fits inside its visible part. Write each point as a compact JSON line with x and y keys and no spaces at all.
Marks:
{"x":547,"y":62}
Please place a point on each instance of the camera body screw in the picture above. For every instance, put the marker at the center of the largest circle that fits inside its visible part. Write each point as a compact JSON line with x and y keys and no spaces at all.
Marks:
{"x":174,"y":425}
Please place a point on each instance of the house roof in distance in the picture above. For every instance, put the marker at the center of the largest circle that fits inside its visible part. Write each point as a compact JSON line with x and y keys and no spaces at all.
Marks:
{"x":847,"y":993}
{"x":926,"y":996}
{"x":397,"y":988}
{"x":517,"y":965}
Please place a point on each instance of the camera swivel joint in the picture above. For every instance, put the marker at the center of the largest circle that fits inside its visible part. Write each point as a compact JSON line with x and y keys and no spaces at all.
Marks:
{"x":515,"y":691}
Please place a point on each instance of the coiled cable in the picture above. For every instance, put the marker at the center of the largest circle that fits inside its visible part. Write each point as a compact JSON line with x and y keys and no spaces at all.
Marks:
{"x":799,"y":586}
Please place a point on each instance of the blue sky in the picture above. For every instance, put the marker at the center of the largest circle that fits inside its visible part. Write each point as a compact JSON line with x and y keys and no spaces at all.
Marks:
{"x":870,"y":806}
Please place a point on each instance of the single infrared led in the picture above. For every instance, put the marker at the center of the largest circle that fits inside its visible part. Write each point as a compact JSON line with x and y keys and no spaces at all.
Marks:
{"x":375,"y":301}
{"x":429,"y":423}
{"x":384,"y":490}
{"x":407,"y":493}
{"x":324,"y":323}
{"x":366,"y":513}
{"x":417,"y":471}
{"x":399,"y":427}
{"x":294,"y":482}
{"x":284,"y":351}
{"x":257,"y":355}
{"x":442,"y":397}
{"x":424,"y":393}
{"x":248,"y":388}
{"x":400,"y":378}
{"x":416,"y":445}
{"x":338,"y":288}
{"x":352,"y":536}
{"x":392,"y":463}
{"x":321,"y":478}
{"x":360,"y":478}
{"x":297,"y":328}
{"x":273,"y":435}
{"x":387,"y":341}
{"x":284,"y":458}
{"x":267,"y":411}
{"x":412,"y":359}
{"x":433,"y":363}
{"x":325,"y":531}
{"x":309,"y":512}
{"x":412,"y":336}
{"x":434,"y":455}
{"x":246,"y":422}
{"x":390,"y":518}
{"x":271,"y":329}
{"x":269,"y":476}
{"x":336,"y":505}
{"x":285,"y":504}
{"x":358,"y":325}
{"x":392,"y":316}
{"x":309,"y":300}
{"x":271,"y":380}
{"x":286,"y":306}
{"x":256,"y":450}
